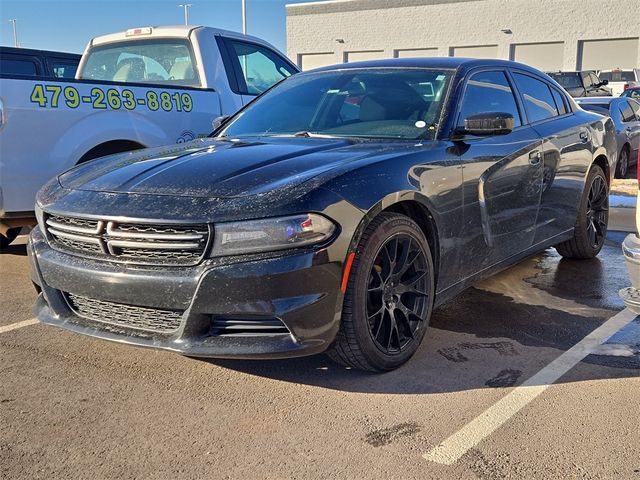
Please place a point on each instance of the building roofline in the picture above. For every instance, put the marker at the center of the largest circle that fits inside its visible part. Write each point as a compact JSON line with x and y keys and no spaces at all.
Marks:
{"x":334,"y":6}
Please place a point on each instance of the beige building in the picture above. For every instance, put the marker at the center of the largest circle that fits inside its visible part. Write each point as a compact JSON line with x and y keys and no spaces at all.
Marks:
{"x":548,"y":34}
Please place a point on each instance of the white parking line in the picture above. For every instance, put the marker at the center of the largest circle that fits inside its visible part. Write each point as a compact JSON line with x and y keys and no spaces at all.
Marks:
{"x":15,"y":326}
{"x":449,"y":451}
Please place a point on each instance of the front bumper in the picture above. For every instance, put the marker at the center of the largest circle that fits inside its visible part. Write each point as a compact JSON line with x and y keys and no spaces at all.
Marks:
{"x":298,"y":290}
{"x":631,"y":251}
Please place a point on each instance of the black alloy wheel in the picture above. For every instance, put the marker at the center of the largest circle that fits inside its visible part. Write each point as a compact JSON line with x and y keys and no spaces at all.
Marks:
{"x":397,"y":295}
{"x":623,"y":163}
{"x":389,"y":296}
{"x":590,"y":230}
{"x":597,"y":212}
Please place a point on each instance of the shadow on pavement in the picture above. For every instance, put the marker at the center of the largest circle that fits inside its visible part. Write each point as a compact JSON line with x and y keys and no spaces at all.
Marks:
{"x":485,"y":339}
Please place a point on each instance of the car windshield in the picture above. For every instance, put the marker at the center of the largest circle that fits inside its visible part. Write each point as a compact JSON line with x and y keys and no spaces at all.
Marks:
{"x":567,"y":80}
{"x":382,"y":103}
{"x":632,"y":92}
{"x":618,"y":76}
{"x":143,"y":61}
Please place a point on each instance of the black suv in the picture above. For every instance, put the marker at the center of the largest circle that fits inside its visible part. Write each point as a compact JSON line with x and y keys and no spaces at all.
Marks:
{"x":38,"y":63}
{"x":582,"y":84}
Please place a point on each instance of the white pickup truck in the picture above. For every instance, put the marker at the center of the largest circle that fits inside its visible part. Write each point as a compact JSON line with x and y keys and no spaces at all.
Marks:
{"x":140,"y":88}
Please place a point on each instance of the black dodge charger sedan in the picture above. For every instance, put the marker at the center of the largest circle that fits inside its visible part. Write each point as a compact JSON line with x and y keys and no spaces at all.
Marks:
{"x":333,"y":213}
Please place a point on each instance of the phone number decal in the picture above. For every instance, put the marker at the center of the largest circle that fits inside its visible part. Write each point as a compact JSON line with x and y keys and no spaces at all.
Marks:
{"x":55,"y":96}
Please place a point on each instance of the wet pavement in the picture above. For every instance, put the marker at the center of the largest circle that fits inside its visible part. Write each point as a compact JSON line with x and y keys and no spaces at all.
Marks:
{"x":75,"y":407}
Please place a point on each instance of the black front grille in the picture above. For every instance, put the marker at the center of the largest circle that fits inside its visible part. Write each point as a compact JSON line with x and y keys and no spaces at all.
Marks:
{"x":248,"y":327}
{"x":131,"y":242}
{"x":121,"y":315}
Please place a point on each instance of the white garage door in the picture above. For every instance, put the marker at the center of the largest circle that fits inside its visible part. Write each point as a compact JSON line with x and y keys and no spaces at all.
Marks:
{"x":606,"y":54}
{"x":309,"y":61}
{"x":363,"y":55}
{"x":544,"y":56}
{"x":482,"y":51}
{"x":416,"y":52}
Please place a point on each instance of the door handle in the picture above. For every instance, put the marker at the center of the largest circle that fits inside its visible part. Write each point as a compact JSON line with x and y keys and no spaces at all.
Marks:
{"x":535,"y":157}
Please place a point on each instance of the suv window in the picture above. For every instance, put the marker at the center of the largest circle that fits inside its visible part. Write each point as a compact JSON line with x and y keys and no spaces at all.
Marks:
{"x":18,"y":67}
{"x":538,"y":100}
{"x":488,"y":92}
{"x":626,"y":112}
{"x":62,"y":69}
{"x":260,"y":66}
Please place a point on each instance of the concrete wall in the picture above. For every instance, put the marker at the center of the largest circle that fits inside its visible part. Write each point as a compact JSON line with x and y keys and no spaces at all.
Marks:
{"x":446,"y":26}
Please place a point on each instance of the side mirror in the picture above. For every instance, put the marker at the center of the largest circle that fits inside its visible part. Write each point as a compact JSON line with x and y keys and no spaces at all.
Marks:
{"x":604,"y":82}
{"x":219,"y":121}
{"x":487,"y":124}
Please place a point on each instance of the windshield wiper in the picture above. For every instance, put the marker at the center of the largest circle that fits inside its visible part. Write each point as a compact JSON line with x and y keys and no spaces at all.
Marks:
{"x":307,"y":134}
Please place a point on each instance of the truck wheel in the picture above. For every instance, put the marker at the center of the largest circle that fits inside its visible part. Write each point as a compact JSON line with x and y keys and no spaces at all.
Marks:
{"x":5,"y":240}
{"x":389,"y":296}
{"x":590,"y":229}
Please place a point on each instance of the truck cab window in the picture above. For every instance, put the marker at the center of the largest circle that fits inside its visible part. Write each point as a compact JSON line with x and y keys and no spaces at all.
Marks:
{"x":261,"y":67}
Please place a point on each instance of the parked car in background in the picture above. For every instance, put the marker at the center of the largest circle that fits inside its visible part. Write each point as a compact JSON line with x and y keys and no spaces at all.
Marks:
{"x":582,"y":84}
{"x":334,"y":212}
{"x":140,"y":88}
{"x":625,"y":113}
{"x":631,"y":251}
{"x":38,"y":63}
{"x":632,"y":92}
{"x":619,"y":80}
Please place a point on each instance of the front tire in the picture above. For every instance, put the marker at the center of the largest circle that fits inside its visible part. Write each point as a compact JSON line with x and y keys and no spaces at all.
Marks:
{"x":590,"y":229}
{"x":389,"y":296}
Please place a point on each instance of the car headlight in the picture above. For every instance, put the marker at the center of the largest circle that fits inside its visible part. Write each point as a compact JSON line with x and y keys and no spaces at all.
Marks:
{"x":269,"y":234}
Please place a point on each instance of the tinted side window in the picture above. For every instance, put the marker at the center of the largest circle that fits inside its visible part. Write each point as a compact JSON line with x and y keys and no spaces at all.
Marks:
{"x":538,"y":100}
{"x":18,"y":67}
{"x":627,"y":112}
{"x":63,"y":69}
{"x":260,"y":66}
{"x":561,"y":106}
{"x":488,"y":92}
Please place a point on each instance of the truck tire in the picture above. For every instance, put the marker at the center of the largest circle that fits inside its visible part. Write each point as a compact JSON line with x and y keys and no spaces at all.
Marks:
{"x":590,"y":230}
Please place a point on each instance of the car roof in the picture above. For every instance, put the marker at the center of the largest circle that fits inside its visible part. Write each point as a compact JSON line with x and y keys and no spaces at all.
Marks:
{"x":449,"y":63}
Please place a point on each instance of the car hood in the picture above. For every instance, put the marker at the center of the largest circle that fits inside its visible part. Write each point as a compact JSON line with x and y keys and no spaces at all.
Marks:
{"x":222,"y":168}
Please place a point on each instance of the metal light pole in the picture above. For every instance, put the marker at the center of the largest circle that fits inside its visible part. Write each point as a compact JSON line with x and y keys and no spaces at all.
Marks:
{"x":244,"y":16}
{"x":186,"y":7}
{"x":15,"y":32}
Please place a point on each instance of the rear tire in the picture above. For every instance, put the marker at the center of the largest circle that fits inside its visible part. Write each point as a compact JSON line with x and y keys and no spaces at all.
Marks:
{"x":590,"y":230}
{"x":389,"y":296}
{"x":5,"y":240}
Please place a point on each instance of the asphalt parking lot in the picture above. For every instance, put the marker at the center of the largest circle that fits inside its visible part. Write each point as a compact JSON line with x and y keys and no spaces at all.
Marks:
{"x":505,"y":386}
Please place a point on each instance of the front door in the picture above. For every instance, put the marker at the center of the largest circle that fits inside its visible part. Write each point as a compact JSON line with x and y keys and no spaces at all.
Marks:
{"x":502,"y":176}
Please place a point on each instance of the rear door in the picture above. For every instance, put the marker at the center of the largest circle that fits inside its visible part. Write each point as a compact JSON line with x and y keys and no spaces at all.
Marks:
{"x":566,"y":153}
{"x":502,"y":175}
